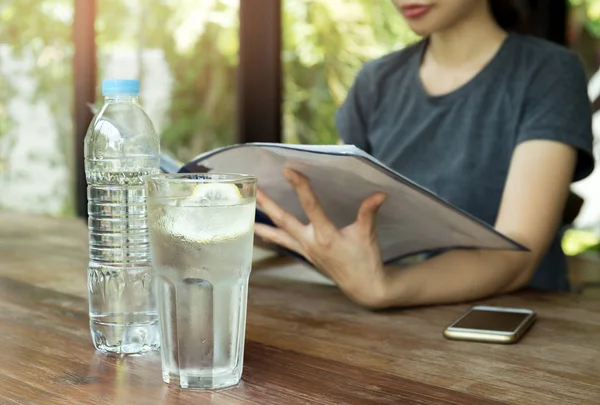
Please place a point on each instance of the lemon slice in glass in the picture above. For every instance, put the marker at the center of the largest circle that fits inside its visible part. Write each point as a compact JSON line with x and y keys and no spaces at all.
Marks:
{"x":213,"y":213}
{"x":213,"y":194}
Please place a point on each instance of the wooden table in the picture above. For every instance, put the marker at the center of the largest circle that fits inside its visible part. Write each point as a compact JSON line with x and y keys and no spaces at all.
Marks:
{"x":305,"y":342}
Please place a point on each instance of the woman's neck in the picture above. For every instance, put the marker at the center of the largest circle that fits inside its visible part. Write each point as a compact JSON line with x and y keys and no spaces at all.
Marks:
{"x":475,"y":38}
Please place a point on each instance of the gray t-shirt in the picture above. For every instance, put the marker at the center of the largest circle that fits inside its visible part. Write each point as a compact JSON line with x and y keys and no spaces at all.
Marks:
{"x":459,"y":145}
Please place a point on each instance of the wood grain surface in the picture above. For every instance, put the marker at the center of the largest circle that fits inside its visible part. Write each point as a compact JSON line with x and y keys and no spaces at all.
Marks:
{"x":306,"y":343}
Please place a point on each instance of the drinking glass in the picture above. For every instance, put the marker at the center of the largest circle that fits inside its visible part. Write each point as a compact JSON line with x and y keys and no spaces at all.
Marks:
{"x":201,"y":237}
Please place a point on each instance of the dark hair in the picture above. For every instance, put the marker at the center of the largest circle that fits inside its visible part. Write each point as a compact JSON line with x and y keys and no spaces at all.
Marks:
{"x":507,"y":15}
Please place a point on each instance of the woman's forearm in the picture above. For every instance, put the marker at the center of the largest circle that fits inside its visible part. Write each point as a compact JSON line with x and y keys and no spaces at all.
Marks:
{"x":457,"y":276}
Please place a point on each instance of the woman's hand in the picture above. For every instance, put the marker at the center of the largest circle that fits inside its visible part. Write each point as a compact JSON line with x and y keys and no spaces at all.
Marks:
{"x":349,"y":256}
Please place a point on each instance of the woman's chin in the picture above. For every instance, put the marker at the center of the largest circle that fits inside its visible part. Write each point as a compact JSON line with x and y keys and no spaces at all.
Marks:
{"x":428,"y":25}
{"x":421,"y":29}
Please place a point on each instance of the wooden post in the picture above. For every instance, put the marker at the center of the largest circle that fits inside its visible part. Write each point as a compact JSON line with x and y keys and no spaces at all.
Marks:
{"x":259,"y":72}
{"x":84,"y":83}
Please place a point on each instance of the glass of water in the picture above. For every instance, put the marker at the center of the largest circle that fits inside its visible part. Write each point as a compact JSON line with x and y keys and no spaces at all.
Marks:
{"x":201,"y":236}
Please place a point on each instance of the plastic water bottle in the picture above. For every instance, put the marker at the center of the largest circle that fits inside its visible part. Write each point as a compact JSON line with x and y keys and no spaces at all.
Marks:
{"x":121,"y":148}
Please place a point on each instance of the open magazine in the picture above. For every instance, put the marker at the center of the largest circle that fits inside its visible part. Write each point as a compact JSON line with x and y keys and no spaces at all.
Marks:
{"x":412,"y":220}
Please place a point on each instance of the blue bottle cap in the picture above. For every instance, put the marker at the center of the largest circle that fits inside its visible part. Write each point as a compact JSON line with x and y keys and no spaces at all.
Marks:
{"x":120,"y":86}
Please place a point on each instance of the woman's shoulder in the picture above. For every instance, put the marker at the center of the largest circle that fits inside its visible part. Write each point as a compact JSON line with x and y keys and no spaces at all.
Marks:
{"x":543,"y":69}
{"x":538,"y":53}
{"x":556,"y":102}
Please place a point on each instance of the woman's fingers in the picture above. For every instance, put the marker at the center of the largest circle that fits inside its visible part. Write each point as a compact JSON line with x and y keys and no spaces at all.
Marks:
{"x":279,"y":216}
{"x":367,"y":213}
{"x":278,"y":237}
{"x":310,"y":203}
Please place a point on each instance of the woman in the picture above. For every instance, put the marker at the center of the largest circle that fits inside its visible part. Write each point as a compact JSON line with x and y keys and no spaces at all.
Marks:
{"x":495,"y":122}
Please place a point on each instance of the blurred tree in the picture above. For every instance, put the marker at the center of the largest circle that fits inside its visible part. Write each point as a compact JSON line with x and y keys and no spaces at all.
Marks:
{"x":591,"y":11}
{"x":584,"y":32}
{"x":198,"y":41}
{"x":324,"y":44}
{"x":39,"y":32}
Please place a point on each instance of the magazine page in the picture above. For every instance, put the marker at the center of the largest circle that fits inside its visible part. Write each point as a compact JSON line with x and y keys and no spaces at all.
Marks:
{"x":412,"y":220}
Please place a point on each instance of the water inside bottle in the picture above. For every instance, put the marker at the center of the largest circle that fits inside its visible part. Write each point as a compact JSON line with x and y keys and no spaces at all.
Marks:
{"x":123,"y":317}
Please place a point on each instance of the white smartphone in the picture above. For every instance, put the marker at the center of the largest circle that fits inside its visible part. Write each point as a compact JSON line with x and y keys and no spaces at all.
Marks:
{"x":491,"y":324}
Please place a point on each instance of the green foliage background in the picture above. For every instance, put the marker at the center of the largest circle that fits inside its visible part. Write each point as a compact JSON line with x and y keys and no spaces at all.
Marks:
{"x":324,"y":44}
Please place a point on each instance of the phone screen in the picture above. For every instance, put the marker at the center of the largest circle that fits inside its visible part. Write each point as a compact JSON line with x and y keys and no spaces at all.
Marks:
{"x":491,"y":320}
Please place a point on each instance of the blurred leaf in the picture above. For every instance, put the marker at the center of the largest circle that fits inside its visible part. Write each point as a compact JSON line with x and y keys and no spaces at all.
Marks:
{"x":578,"y":241}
